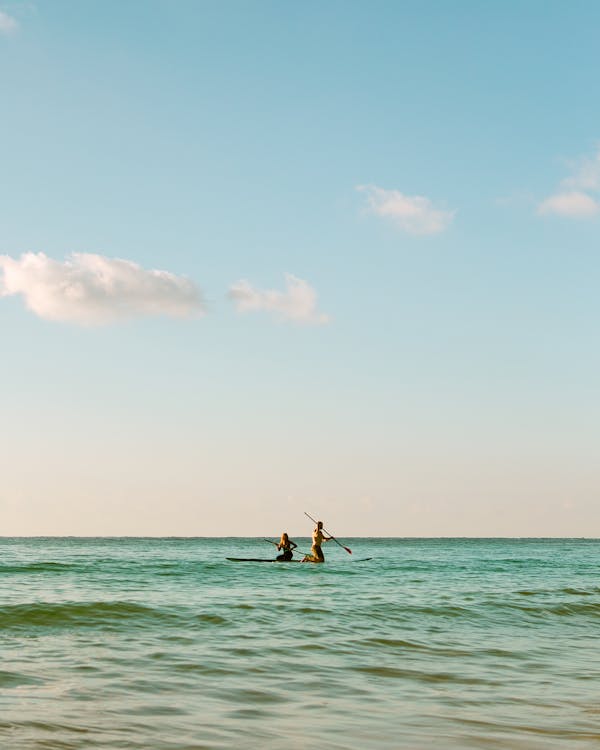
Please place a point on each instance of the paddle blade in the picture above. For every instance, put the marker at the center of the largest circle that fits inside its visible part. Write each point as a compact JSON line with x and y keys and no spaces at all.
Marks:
{"x":348,"y":550}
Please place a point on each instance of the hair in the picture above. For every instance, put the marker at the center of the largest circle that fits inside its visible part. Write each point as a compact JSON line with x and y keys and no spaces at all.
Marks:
{"x":284,"y":538}
{"x":319,"y":524}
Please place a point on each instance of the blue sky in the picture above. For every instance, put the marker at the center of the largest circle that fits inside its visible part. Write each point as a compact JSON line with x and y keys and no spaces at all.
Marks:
{"x":378,"y":225}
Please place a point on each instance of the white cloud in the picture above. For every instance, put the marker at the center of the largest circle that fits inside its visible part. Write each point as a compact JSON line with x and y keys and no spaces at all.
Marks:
{"x":579,"y":194}
{"x":297,"y":303}
{"x":586,"y":174}
{"x":8,"y":24}
{"x":414,"y":214}
{"x":573,"y":204}
{"x":92,"y":289}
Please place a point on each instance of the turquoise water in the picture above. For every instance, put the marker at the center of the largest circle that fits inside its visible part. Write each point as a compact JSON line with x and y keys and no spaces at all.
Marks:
{"x":162,"y":644}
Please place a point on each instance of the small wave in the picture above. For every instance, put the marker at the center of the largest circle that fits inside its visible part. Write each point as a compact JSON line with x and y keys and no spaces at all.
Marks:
{"x":14,"y":679}
{"x":394,"y":672}
{"x":211,"y":619}
{"x":567,"y":590}
{"x":575,"y":608}
{"x":398,"y":643}
{"x":541,"y":609}
{"x":394,"y":643}
{"x":80,"y":614}
{"x":37,"y":567}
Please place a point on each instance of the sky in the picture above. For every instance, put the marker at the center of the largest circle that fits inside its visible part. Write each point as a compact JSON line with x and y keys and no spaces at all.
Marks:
{"x":264,"y":258}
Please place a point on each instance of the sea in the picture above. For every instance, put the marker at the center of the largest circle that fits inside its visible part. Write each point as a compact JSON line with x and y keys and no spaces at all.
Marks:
{"x":164,"y":644}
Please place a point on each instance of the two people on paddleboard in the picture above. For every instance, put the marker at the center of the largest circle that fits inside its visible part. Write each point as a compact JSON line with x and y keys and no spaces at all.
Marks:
{"x":287,"y":547}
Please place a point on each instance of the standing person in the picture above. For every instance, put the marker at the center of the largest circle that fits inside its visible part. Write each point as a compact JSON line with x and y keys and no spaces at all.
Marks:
{"x":287,"y":546}
{"x":316,"y":553}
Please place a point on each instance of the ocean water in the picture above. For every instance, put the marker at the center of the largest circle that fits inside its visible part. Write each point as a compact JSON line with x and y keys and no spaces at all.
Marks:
{"x":162,"y":644}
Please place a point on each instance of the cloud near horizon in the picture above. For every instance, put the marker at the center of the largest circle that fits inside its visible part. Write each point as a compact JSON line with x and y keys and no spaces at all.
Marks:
{"x":8,"y":24}
{"x":89,"y":289}
{"x":579,"y":194}
{"x":297,"y":303}
{"x":414,"y":214}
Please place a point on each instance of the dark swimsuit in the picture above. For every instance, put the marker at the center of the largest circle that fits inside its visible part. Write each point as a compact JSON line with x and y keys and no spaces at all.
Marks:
{"x":287,"y":554}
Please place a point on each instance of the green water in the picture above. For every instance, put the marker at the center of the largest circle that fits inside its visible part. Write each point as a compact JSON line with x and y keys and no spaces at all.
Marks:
{"x":162,"y":644}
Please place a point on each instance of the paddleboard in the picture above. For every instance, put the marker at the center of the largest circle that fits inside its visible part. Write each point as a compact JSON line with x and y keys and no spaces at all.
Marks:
{"x":270,"y":560}
{"x":258,"y":559}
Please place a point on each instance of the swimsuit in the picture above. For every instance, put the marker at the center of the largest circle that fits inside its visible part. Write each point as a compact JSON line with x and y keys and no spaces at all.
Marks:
{"x":287,"y":553}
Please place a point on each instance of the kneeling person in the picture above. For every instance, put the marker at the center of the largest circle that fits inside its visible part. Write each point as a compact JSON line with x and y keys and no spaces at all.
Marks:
{"x":316,"y":553}
{"x":287,"y":547}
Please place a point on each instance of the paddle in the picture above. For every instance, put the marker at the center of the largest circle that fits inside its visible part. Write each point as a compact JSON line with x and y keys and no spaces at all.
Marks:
{"x":348,"y":550}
